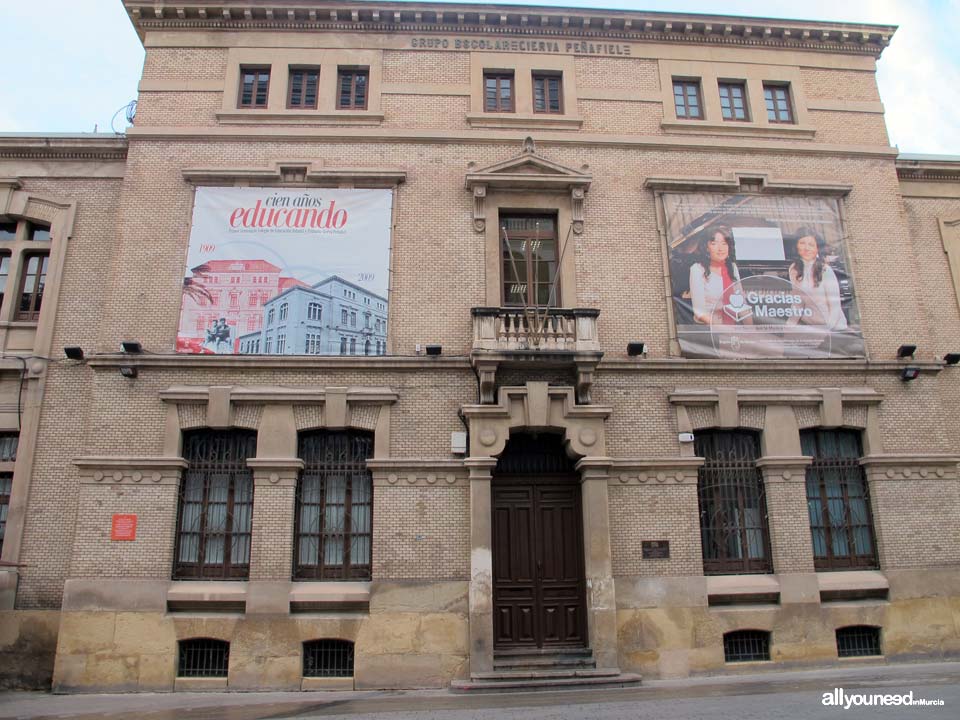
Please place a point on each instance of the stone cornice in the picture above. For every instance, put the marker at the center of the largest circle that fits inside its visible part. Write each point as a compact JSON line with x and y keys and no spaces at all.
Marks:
{"x":928,"y":170}
{"x":51,"y":147}
{"x":296,"y":171}
{"x":464,"y":19}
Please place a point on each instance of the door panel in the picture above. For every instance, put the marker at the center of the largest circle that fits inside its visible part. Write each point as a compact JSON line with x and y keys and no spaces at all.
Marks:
{"x":538,"y":565}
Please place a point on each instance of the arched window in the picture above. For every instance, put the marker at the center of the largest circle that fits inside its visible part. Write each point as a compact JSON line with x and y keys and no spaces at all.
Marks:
{"x":270,"y":316}
{"x":284,"y":308}
{"x":746,"y":646}
{"x":343,"y":346}
{"x":328,"y":658}
{"x":733,"y":509}
{"x":314,"y":311}
{"x":841,"y":524}
{"x":366,"y":347}
{"x":216,"y":505}
{"x":334,"y":506}
{"x":353,"y":346}
{"x":203,"y":657}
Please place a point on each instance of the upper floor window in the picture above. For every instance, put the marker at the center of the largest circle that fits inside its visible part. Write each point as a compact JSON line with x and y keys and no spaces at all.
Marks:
{"x":498,"y":92}
{"x":353,"y":319}
{"x":254,"y":87}
{"x":314,"y":311}
{"x":271,"y":314}
{"x":281,"y":342}
{"x":284,"y":308}
{"x":31,"y":289}
{"x":686,"y":99}
{"x":334,"y":506}
{"x":216,"y":505}
{"x":733,"y":509}
{"x":302,"y":88}
{"x":733,"y":101}
{"x":777,"y":97}
{"x":352,"y":88}
{"x":6,"y":487}
{"x":841,"y":525}
{"x":529,"y":250}
{"x":547,"y":93}
{"x":343,"y":317}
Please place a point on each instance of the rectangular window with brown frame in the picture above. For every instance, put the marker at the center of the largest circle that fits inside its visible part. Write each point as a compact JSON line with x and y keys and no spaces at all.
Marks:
{"x":214,"y":518}
{"x":302,"y":88}
{"x":530,"y":260}
{"x":498,"y":91}
{"x":352,"y":88}
{"x":548,"y":93}
{"x":254,"y":87}
{"x":32,"y":281}
{"x":733,"y":101}
{"x":334,"y":507}
{"x":779,"y":107}
{"x":4,"y":274}
{"x":838,"y":501}
{"x":686,"y":99}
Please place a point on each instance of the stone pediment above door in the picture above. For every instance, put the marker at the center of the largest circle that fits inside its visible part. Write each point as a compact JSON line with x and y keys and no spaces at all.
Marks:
{"x":528,"y":172}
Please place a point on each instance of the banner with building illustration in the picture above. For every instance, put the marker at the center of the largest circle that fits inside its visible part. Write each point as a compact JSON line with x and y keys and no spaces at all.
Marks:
{"x":287,"y":272}
{"x":757,"y":276}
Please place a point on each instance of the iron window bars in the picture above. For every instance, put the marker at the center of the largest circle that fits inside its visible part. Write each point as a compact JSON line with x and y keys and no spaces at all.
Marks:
{"x":733,"y":508}
{"x":216,"y":505}
{"x":334,"y":507}
{"x":858,"y":641}
{"x":328,"y":658}
{"x":203,"y":657}
{"x":746,"y":646}
{"x":841,"y":525}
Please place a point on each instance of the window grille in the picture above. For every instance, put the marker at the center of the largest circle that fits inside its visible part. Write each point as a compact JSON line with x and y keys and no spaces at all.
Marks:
{"x":746,"y":646}
{"x":858,"y":641}
{"x":328,"y":658}
{"x":203,"y":657}
{"x":6,"y":486}
{"x":841,"y":526}
{"x":216,"y":505}
{"x":733,"y":508}
{"x":334,"y":506}
{"x":8,"y":446}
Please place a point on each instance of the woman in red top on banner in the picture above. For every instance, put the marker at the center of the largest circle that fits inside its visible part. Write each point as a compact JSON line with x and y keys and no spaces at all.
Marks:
{"x":712,"y":277}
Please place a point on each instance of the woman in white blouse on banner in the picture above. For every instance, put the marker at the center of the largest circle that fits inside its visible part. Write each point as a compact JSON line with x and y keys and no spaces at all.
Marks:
{"x":713,"y":276}
{"x":817,"y":279}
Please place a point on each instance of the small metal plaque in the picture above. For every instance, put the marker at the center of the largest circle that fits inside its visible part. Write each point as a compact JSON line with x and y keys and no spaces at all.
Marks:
{"x":656,"y":549}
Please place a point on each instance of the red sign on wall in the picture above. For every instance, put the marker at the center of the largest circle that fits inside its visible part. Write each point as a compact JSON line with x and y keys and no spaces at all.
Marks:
{"x":124,"y":527}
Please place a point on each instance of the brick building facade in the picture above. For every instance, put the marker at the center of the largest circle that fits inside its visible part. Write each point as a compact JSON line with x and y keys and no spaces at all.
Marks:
{"x":632,"y":510}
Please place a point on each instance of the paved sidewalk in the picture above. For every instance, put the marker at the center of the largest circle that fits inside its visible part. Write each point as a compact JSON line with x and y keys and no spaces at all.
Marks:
{"x":793,"y":694}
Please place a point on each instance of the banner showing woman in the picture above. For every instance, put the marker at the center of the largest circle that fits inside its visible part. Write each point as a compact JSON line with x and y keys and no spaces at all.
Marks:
{"x":760,"y":277}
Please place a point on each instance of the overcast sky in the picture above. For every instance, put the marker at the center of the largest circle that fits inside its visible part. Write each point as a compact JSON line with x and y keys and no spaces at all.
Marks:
{"x":71,"y":70}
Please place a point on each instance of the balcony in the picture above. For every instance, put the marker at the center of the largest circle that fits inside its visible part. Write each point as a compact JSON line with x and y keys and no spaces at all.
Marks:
{"x":525,"y":337}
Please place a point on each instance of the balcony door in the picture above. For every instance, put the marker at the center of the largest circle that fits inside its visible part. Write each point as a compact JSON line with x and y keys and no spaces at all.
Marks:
{"x":530,"y":260}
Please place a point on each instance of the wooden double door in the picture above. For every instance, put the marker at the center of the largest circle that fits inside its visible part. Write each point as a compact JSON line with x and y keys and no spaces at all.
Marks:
{"x":538,"y":578}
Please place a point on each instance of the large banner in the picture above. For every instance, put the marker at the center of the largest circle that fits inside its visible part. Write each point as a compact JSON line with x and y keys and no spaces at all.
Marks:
{"x":760,"y":277}
{"x":287,"y":272}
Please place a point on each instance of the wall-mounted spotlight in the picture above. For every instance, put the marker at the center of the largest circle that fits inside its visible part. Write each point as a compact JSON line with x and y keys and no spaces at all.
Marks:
{"x":906,"y":351}
{"x":909,"y":373}
{"x":636,"y":348}
{"x":128,"y":371}
{"x":73,"y":352}
{"x":951,"y":358}
{"x":434,"y":349}
{"x":131,"y":346}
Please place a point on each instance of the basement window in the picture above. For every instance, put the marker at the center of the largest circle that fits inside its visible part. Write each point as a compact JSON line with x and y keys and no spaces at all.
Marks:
{"x":746,"y":646}
{"x":328,"y":658}
{"x":203,"y":657}
{"x":858,"y":641}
